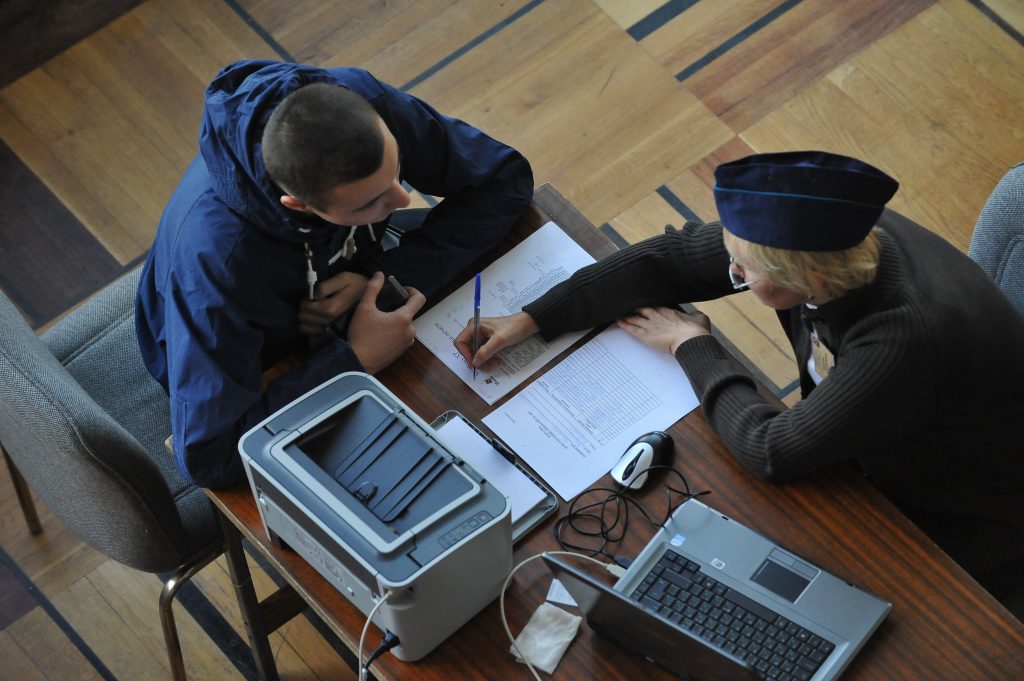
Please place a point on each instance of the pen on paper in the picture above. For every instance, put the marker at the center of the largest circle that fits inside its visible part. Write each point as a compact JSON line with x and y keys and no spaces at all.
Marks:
{"x":476,"y":320}
{"x":514,"y":280}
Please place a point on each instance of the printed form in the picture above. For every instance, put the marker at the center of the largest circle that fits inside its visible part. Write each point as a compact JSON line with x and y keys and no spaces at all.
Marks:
{"x":545,"y":258}
{"x":573,"y":424}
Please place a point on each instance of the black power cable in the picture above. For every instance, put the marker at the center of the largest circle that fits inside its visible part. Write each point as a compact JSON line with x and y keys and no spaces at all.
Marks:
{"x":607,"y":518}
{"x":389,"y":641}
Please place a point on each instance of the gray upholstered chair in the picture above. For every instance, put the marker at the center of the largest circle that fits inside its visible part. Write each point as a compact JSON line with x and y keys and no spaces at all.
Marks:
{"x":997,"y":243}
{"x":84,"y":424}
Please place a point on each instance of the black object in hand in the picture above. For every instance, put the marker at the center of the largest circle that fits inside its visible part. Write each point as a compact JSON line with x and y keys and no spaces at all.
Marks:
{"x":392,"y":295}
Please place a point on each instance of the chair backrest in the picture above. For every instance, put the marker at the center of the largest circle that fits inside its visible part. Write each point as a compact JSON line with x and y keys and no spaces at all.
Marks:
{"x":997,"y":243}
{"x":88,"y":436}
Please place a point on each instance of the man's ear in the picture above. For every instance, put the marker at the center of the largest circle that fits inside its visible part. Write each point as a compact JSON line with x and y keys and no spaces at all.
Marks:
{"x":294,"y":204}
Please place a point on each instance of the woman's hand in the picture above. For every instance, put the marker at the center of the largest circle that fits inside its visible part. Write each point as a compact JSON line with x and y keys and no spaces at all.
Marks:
{"x":496,"y":333}
{"x":665,"y":328}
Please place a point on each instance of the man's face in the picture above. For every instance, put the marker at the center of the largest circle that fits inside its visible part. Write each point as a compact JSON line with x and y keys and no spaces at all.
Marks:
{"x":368,"y":200}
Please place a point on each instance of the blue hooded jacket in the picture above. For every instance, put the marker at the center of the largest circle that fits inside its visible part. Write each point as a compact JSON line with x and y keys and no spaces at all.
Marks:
{"x":220,"y":291}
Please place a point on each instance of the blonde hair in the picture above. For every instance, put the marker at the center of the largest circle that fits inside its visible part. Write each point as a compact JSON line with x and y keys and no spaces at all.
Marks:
{"x":823,"y":274}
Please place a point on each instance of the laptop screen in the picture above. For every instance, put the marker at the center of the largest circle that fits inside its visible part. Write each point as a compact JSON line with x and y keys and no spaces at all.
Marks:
{"x":612,"y":614}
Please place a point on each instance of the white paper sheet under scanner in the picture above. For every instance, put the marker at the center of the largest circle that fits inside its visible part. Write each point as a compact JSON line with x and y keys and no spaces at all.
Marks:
{"x":545,"y":258}
{"x":573,"y":424}
{"x":522,"y":492}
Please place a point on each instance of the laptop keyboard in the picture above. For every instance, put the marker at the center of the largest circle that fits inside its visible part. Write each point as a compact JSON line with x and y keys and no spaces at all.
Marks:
{"x":778,"y":648}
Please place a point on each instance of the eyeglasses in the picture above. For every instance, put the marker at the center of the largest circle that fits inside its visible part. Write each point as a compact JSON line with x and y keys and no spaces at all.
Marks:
{"x":739,"y":281}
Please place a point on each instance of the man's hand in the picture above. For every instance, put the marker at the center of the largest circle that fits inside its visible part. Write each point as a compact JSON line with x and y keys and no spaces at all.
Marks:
{"x":665,"y":328}
{"x":334,"y":297}
{"x":495,"y":333}
{"x":379,"y":338}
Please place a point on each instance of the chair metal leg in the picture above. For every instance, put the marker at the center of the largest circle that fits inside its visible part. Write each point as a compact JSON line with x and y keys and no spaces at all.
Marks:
{"x":28,"y":507}
{"x":167,"y":594}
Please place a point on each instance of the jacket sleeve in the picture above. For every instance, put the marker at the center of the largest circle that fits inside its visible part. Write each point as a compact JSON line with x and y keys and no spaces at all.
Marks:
{"x":878,"y":391}
{"x":215,"y":379}
{"x":772,"y":441}
{"x":487,"y":186}
{"x":679,"y":266}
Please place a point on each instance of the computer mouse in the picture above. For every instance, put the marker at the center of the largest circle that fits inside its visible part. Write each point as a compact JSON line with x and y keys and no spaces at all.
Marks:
{"x":650,"y":449}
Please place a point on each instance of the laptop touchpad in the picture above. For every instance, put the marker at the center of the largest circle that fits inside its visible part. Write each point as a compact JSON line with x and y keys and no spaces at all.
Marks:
{"x":782,"y":580}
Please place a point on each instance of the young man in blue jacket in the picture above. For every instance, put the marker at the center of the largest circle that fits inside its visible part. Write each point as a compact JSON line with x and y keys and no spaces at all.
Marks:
{"x":283,"y":225}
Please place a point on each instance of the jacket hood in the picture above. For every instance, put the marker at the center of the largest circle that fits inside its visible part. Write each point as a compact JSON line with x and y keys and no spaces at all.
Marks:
{"x":239,"y":102}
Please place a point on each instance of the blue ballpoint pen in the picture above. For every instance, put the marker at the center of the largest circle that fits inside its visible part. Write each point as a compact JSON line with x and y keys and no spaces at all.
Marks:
{"x":476,"y":319}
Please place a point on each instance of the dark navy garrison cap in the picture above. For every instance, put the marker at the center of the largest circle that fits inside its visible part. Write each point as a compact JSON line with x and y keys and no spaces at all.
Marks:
{"x":801,"y":200}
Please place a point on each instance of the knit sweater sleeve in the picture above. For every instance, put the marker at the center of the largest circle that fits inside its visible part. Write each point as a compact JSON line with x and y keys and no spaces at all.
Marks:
{"x":874,"y":393}
{"x":678,"y":266}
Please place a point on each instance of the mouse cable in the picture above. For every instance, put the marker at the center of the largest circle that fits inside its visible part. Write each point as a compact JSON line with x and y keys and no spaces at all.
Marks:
{"x":387,"y":643}
{"x":607,"y":518}
{"x":508,"y":580}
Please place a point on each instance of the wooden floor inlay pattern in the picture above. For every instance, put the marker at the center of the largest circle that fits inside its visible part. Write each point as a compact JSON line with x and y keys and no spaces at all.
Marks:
{"x":626,"y":106}
{"x":48,"y":259}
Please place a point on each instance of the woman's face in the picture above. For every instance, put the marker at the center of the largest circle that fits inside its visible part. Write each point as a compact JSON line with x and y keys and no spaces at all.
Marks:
{"x":769,"y":294}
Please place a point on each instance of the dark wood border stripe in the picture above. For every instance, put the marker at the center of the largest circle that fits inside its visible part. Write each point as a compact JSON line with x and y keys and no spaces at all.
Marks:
{"x":190,"y":597}
{"x":998,"y":21}
{"x":616,"y":238}
{"x":74,"y":301}
{"x":736,"y":39}
{"x":471,"y":44}
{"x":677,"y":203}
{"x":328,"y":635}
{"x":49,"y":260}
{"x":125,"y":269}
{"x":15,"y":599}
{"x":689,"y":215}
{"x":785,"y":390}
{"x":217,"y":629}
{"x":56,"y":617}
{"x":260,"y":31}
{"x":658,"y":18}
{"x":751,"y":368}
{"x":33,"y":32}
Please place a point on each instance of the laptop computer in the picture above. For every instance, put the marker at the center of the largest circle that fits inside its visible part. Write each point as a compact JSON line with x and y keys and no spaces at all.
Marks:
{"x":711,"y":599}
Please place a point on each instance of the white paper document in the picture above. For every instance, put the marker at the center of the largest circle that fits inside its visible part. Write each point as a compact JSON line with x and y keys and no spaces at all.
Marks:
{"x":575,"y":422}
{"x":545,"y":258}
{"x":523,"y":493}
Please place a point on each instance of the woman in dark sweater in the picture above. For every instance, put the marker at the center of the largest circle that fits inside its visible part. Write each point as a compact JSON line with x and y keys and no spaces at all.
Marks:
{"x":911,"y":360}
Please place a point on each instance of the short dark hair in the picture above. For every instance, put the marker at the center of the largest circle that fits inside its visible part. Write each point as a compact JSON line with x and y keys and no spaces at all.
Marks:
{"x":319,"y":136}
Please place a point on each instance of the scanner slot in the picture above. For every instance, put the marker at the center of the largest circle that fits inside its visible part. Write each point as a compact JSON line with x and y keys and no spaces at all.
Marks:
{"x":374,"y":466}
{"x":370,"y":438}
{"x":392,"y":505}
{"x":364,"y":459}
{"x":405,"y":475}
{"x":409,"y":460}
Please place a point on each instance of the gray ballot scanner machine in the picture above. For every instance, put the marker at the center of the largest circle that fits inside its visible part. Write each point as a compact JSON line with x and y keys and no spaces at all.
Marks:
{"x":364,"y":490}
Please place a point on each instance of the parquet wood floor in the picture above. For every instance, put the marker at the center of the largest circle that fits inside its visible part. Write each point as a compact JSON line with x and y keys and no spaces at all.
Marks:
{"x":626,"y":106}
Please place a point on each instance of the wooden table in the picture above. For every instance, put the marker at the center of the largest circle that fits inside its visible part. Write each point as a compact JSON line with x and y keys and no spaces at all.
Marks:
{"x":943,"y":625}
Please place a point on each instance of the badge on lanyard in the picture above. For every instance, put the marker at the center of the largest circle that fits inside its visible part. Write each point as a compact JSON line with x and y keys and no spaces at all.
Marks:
{"x":822,"y":356}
